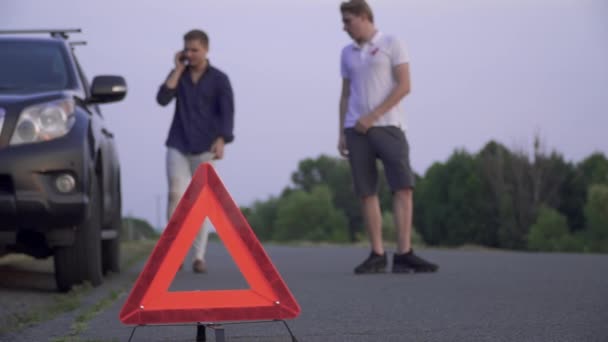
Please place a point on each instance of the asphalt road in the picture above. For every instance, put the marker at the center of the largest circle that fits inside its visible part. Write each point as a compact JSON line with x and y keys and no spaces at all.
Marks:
{"x":476,"y":296}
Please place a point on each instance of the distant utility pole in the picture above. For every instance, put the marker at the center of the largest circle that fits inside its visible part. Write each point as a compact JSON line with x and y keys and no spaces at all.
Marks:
{"x":129,"y":227}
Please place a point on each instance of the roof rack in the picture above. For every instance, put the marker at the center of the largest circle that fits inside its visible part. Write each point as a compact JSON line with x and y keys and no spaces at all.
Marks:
{"x":63,"y":33}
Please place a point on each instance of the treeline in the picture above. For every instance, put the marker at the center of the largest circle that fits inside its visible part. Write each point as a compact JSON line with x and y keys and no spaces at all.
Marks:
{"x":496,"y":198}
{"x":508,"y":199}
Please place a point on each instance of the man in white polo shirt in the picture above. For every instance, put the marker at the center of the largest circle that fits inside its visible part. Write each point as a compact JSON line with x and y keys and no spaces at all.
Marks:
{"x":375,"y":73}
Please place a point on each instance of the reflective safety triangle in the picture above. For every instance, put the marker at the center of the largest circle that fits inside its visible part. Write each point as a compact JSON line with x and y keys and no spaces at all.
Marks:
{"x":268,"y":297}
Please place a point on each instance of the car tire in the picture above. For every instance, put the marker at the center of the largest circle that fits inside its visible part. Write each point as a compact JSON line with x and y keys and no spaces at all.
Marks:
{"x":81,"y":261}
{"x":110,"y":249}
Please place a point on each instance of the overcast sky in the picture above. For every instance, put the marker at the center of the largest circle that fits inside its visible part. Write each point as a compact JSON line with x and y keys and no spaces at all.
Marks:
{"x":481,"y":70}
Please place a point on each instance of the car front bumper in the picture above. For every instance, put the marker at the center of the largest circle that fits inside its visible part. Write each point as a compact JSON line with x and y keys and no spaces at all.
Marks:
{"x":29,"y":197}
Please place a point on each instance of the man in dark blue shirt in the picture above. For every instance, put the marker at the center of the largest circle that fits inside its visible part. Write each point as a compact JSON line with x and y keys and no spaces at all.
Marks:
{"x":202,"y":124}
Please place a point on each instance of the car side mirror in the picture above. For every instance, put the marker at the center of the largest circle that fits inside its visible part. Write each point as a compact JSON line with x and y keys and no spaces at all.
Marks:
{"x":108,"y":89}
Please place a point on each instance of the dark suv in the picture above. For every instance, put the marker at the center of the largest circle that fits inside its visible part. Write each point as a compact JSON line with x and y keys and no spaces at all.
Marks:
{"x":59,"y":171}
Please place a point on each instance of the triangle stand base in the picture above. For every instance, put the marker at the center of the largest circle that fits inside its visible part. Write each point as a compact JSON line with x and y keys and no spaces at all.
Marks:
{"x":218,"y":329}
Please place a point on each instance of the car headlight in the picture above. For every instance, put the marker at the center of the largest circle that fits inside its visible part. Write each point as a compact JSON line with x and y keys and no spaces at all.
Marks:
{"x":44,"y":122}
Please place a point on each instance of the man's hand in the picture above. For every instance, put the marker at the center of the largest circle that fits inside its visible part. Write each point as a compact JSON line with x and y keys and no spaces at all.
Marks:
{"x":218,"y":148}
{"x":179,"y":60}
{"x":342,"y":146}
{"x":365,"y":123}
{"x":174,"y":76}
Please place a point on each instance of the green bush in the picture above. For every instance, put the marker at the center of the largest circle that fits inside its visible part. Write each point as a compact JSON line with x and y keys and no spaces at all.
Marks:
{"x":261,"y":217}
{"x":596,"y":212}
{"x":310,"y":216}
{"x":134,"y":228}
{"x":571,"y":243}
{"x":549,"y":232}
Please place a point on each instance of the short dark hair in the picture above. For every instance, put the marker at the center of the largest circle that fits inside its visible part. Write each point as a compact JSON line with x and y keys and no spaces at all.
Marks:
{"x":197,"y":35}
{"x":358,"y":8}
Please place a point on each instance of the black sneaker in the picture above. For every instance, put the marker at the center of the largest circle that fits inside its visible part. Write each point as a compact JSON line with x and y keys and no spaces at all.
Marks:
{"x":375,"y":263}
{"x":410,"y":262}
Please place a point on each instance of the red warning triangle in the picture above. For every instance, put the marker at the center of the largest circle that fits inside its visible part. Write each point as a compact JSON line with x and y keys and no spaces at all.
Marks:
{"x":150,"y":301}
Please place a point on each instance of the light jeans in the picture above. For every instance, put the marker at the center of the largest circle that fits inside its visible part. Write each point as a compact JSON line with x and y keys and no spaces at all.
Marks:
{"x":180,"y":168}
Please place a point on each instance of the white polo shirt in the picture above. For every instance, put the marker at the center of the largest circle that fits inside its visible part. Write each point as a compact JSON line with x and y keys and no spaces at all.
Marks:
{"x":369,"y":68}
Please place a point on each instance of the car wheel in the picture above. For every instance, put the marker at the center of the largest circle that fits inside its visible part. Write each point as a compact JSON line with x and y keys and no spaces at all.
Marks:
{"x":111,"y":248}
{"x":82,"y":261}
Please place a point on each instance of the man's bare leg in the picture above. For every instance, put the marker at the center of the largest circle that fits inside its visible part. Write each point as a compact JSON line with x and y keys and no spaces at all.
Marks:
{"x":402,"y":213}
{"x":405,"y":261}
{"x":200,"y":248}
{"x":376,"y":262}
{"x":373,"y":222}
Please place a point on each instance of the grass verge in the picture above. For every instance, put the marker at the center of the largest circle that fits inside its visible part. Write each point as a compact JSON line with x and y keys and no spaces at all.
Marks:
{"x":132,"y":252}
{"x":61,"y":303}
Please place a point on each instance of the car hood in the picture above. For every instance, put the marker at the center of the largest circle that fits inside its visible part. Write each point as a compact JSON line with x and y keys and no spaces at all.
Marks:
{"x":11,"y":99}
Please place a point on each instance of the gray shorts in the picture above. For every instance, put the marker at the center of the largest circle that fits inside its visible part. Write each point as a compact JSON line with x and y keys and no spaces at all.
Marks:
{"x":387,"y":143}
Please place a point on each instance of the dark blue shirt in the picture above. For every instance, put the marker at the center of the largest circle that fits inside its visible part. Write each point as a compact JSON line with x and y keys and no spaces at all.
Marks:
{"x":204,"y":111}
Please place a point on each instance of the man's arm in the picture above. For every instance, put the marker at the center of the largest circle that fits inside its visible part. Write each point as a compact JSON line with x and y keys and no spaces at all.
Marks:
{"x":167,"y":90}
{"x":173,"y":78}
{"x":401,"y":73}
{"x":343,"y":108}
{"x":226,"y":100}
{"x":226,"y":107}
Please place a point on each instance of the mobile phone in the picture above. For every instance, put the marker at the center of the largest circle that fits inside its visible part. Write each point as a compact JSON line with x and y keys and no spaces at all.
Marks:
{"x":183,"y":58}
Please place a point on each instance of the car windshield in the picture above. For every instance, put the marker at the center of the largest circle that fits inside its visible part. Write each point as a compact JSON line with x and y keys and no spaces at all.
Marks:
{"x":33,"y":66}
